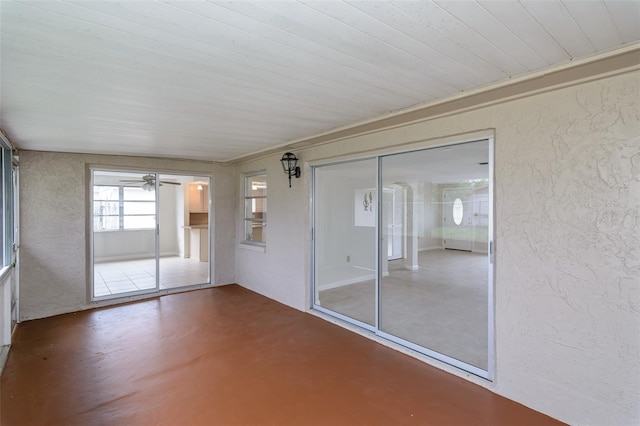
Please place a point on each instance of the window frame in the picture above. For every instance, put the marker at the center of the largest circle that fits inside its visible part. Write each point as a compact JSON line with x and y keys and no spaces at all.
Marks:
{"x":8,"y":209}
{"x":121,"y":214}
{"x":248,"y":196}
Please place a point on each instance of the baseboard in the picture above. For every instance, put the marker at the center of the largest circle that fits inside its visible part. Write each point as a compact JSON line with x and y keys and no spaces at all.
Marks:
{"x":342,"y":283}
{"x":431,"y":248}
{"x":134,"y":257}
{"x":171,"y":254}
{"x":355,"y":280}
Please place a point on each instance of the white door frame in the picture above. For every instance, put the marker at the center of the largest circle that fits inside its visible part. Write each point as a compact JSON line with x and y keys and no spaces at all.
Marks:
{"x":381,"y":260}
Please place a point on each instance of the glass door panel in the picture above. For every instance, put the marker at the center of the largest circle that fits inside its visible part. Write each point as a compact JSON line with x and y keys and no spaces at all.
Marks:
{"x":183,"y":230}
{"x":15,"y":289}
{"x":436,"y":295}
{"x":345,"y":204}
{"x":124,"y":233}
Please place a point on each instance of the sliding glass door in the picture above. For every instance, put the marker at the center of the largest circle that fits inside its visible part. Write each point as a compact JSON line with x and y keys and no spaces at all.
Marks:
{"x":345,"y":205}
{"x":436,"y":295}
{"x":150,"y":232}
{"x":183,"y":231}
{"x":124,"y":233}
{"x":431,"y":289}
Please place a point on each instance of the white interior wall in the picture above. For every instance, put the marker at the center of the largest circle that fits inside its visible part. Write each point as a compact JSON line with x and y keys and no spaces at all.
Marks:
{"x":6,"y":282}
{"x":182,"y":214}
{"x":168,"y":221}
{"x":357,"y":242}
{"x":431,"y":215}
{"x":54,"y":221}
{"x":567,"y":294}
{"x":124,"y":245}
{"x":351,"y":250}
{"x":480,"y":230}
{"x":436,"y":218}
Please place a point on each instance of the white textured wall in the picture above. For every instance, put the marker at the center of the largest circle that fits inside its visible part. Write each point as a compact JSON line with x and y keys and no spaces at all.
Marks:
{"x":6,"y":286}
{"x":567,"y":303}
{"x":279,"y":271}
{"x":53,"y":218}
{"x":568,"y":247}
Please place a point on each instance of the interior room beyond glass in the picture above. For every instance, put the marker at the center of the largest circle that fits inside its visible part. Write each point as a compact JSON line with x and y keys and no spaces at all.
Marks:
{"x":150,"y":232}
{"x":402,"y":247}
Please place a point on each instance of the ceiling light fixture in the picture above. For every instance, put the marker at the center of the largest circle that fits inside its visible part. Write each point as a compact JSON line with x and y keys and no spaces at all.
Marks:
{"x":290,"y":166}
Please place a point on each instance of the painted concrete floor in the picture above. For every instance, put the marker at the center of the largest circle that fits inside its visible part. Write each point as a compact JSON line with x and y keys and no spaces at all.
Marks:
{"x":227,"y":356}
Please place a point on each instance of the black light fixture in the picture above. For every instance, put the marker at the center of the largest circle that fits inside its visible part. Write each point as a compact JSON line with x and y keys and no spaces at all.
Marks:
{"x":289,"y":165}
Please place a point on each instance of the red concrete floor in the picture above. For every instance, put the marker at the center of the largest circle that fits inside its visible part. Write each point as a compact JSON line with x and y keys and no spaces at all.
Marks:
{"x":228,"y":356}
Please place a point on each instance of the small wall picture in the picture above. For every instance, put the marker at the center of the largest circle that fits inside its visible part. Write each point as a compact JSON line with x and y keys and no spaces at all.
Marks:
{"x":365,"y":207}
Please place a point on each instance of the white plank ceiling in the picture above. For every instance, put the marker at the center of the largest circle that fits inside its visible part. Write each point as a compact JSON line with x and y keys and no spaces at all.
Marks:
{"x":219,"y":80}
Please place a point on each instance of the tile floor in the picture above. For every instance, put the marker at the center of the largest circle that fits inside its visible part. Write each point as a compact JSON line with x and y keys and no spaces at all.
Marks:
{"x":442,"y":306}
{"x":134,"y":275}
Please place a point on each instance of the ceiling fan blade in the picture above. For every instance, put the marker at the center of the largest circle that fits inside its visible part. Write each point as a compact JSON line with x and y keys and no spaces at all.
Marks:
{"x":149,"y":181}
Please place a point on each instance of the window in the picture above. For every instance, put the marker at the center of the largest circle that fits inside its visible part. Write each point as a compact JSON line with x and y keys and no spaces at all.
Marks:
{"x":7,"y":207}
{"x":118,"y":208}
{"x":255,"y":209}
{"x":458,"y":211}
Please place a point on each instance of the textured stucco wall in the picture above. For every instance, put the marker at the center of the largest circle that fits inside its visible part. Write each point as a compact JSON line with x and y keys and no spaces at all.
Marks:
{"x":53,"y":222}
{"x":567,"y":205}
{"x":278,"y":271}
{"x":568,"y":231}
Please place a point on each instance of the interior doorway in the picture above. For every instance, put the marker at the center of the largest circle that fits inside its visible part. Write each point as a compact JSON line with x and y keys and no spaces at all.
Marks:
{"x":150,"y":232}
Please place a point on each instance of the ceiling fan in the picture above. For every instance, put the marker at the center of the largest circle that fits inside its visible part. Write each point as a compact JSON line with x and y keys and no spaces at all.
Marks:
{"x":149,"y":182}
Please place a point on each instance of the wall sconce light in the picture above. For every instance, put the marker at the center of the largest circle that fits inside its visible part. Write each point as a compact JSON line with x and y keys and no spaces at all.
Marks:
{"x":199,"y":187}
{"x":289,"y":165}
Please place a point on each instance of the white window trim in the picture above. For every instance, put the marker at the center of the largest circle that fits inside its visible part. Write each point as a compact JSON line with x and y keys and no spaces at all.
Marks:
{"x":245,"y":243}
{"x":121,"y":214}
